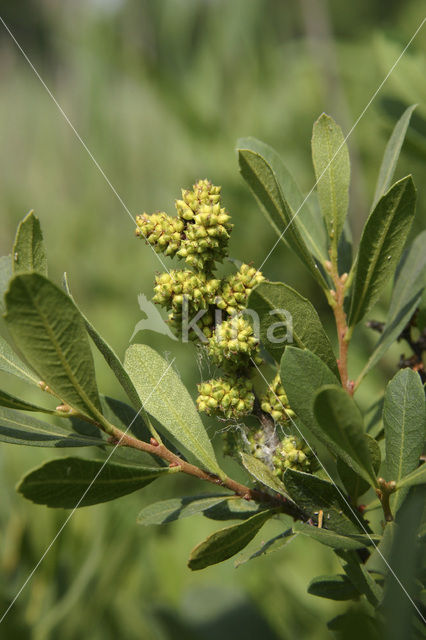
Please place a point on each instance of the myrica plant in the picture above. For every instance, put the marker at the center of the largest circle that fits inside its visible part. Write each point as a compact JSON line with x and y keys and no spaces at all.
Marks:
{"x":313,"y":458}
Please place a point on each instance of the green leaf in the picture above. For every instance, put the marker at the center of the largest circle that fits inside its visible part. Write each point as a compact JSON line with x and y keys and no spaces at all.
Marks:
{"x":337,"y":587}
{"x":332,"y":171}
{"x":381,"y":245}
{"x":333,"y":539}
{"x":343,"y":430}
{"x":308,"y":219}
{"x":225,"y":543}
{"x":260,"y":167}
{"x":410,"y":282}
{"x":416,"y":477}
{"x":345,"y":249}
{"x":166,"y":399}
{"x":170,"y":510}
{"x":421,"y":313}
{"x":29,"y":253}
{"x":5,"y":275}
{"x":404,"y":417}
{"x":49,"y":331}
{"x":312,"y":495}
{"x":10,"y":363}
{"x":109,"y":355}
{"x":277,"y":303}
{"x":354,"y":624}
{"x":406,"y":560}
{"x":391,"y":155}
{"x":68,"y":483}
{"x":360,"y":577}
{"x":7,"y":400}
{"x":232,"y":510}
{"x":353,"y":483}
{"x":377,"y":562}
{"x":410,"y":277}
{"x":274,"y":544}
{"x":262,"y":473}
{"x":302,"y":374}
{"x":18,"y":428}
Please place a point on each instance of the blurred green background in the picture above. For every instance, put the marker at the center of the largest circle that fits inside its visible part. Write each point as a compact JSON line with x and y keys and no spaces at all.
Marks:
{"x":160,"y":90}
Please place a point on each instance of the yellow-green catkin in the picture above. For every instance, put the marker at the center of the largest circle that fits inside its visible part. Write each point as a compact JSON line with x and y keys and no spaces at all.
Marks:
{"x":229,"y":396}
{"x":275,"y":402}
{"x":199,"y":234}
{"x":161,"y":231}
{"x":236,"y":288}
{"x":293,"y":453}
{"x":207,"y":225}
{"x":233,"y":344}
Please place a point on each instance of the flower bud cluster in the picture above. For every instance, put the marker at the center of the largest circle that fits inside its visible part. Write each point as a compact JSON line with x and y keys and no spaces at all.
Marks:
{"x":293,"y":453}
{"x":161,"y":231}
{"x":171,"y":289}
{"x":199,"y":235}
{"x":206,"y":235}
{"x":257,"y":444}
{"x":236,"y":289}
{"x":200,"y":232}
{"x":229,"y":396}
{"x":233,"y":344}
{"x":275,"y":402}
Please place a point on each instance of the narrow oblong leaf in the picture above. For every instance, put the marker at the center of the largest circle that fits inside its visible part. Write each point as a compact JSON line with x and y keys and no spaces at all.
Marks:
{"x":409,"y":286}
{"x":258,"y":167}
{"x":69,"y":483}
{"x":29,"y":253}
{"x":170,"y":510}
{"x":416,"y":477}
{"x":111,"y":358}
{"x":6,"y":274}
{"x":225,"y":543}
{"x":404,"y":418}
{"x":343,"y":432}
{"x":18,"y":428}
{"x":332,"y":171}
{"x":49,"y":331}
{"x":410,"y":276}
{"x":407,"y":562}
{"x":262,"y":473}
{"x":11,"y":363}
{"x":308,"y":219}
{"x":312,"y":495}
{"x":302,"y":374}
{"x":286,"y":316}
{"x":391,"y":155}
{"x":274,"y":544}
{"x":337,"y":587}
{"x":333,"y":539}
{"x":360,"y":576}
{"x":353,"y":483}
{"x":10,"y":401}
{"x":381,"y":245}
{"x":165,"y":397}
{"x":232,"y":510}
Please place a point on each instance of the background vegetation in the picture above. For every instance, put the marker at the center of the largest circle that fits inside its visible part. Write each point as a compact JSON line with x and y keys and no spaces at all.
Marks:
{"x":160,"y":91}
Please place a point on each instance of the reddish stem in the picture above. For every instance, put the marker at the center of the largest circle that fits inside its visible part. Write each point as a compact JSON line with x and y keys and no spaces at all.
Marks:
{"x":341,"y":326}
